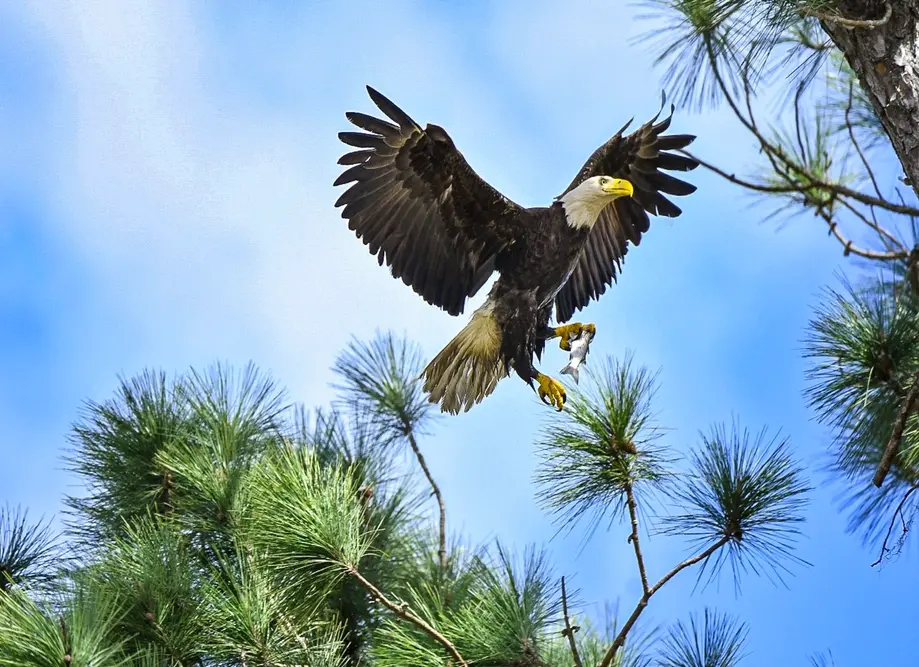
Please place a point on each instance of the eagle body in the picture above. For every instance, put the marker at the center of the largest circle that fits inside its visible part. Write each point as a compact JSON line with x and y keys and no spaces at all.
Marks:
{"x":531,"y":275}
{"x":545,"y":254}
{"x":420,"y":208}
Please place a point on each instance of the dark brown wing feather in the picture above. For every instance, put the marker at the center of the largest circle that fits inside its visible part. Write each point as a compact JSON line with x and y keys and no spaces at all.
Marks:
{"x":638,"y":157}
{"x":420,"y":208}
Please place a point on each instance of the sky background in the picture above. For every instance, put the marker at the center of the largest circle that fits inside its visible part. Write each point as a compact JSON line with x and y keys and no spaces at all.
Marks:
{"x":166,"y":202}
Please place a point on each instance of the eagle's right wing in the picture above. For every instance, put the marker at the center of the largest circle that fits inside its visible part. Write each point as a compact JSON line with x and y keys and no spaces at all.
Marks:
{"x":420,"y":207}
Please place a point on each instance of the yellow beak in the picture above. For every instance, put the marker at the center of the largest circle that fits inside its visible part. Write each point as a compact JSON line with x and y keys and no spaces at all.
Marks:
{"x":618,"y":187}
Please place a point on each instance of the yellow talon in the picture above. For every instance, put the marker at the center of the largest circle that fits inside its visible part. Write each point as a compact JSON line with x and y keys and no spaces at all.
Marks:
{"x":575,"y":329}
{"x":552,"y":390}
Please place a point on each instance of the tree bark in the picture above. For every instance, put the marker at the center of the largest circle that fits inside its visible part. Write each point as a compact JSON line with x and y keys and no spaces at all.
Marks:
{"x":886,"y":59}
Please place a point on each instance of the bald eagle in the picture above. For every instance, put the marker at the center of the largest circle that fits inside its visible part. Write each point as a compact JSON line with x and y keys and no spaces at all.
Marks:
{"x":420,"y":208}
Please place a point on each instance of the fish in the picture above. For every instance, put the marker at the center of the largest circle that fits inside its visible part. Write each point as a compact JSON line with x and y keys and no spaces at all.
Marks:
{"x":580,"y":346}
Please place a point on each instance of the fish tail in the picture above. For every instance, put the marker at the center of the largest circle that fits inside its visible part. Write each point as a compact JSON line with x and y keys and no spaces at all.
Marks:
{"x":469,"y":367}
{"x":572,"y":371}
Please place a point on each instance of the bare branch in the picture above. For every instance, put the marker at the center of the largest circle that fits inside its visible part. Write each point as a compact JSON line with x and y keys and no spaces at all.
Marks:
{"x":633,"y":538}
{"x":893,"y":445}
{"x":757,"y":187}
{"x":569,"y":631}
{"x":855,"y":143}
{"x":893,"y":519}
{"x":851,"y":249}
{"x":403,"y":612}
{"x":843,"y":22}
{"x":619,"y":641}
{"x":442,"y":547}
{"x":886,"y":237}
{"x":773,"y":153}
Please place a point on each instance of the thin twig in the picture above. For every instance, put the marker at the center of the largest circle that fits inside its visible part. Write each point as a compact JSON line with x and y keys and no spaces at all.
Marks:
{"x":874,"y":181}
{"x":886,"y":236}
{"x":757,"y":187}
{"x":843,"y":22}
{"x":893,"y":445}
{"x":773,"y":152}
{"x":633,"y":538}
{"x":643,"y":602}
{"x":850,"y":248}
{"x":569,"y":631}
{"x":402,"y":611}
{"x":893,"y":520}
{"x":442,"y":547}
{"x":861,"y":154}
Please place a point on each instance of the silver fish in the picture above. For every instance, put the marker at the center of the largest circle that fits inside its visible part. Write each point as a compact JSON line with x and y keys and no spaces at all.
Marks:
{"x":580,"y":346}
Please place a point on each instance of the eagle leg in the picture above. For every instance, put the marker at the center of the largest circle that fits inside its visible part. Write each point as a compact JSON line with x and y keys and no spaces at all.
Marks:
{"x":569,"y":331}
{"x":551,"y":391}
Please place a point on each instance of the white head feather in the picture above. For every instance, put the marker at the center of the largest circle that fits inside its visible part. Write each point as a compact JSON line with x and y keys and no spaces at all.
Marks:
{"x":584,"y":203}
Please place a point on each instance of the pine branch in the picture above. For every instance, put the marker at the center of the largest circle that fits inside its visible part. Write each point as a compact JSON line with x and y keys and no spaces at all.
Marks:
{"x":442,"y":546}
{"x":774,"y":152}
{"x":569,"y":631}
{"x":619,"y":641}
{"x":893,"y":445}
{"x":633,"y":538}
{"x":850,"y":128}
{"x":848,"y":246}
{"x":381,"y":378}
{"x":403,"y":612}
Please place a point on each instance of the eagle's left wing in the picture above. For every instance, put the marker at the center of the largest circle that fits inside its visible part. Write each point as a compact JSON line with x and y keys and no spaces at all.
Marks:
{"x":638,"y":158}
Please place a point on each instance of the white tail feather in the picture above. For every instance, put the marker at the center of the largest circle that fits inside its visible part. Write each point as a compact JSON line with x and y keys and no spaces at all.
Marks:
{"x":469,"y":367}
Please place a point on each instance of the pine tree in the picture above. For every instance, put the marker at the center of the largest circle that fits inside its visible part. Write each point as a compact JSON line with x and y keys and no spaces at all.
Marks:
{"x":221,"y":525}
{"x":843,"y":74}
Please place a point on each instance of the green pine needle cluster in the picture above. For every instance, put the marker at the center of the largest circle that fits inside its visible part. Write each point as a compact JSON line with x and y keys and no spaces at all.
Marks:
{"x":27,"y":551}
{"x":715,"y":640}
{"x":220,"y":526}
{"x":603,"y":444}
{"x":864,"y":347}
{"x":746,"y":490}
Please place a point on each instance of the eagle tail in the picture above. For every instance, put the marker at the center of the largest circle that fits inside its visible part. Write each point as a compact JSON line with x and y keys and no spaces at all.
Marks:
{"x":469,"y":367}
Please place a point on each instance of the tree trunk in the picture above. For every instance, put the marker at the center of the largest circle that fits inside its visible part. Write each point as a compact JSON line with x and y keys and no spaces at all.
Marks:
{"x":886,"y":59}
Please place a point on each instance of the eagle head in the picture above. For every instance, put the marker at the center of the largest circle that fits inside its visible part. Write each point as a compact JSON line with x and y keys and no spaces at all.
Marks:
{"x":608,"y":187}
{"x":583,"y":204}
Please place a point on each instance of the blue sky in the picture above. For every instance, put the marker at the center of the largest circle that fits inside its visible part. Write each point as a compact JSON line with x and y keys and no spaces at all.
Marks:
{"x":166,"y":201}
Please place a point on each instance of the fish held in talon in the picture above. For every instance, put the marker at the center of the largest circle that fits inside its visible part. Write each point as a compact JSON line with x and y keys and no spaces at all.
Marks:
{"x":579,"y":345}
{"x":420,"y":209}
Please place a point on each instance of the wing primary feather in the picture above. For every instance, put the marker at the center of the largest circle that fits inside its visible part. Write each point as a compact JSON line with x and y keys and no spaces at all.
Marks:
{"x":352,"y":174}
{"x":355,"y":157}
{"x":674,"y":141}
{"x":673,"y":162}
{"x":362,"y":140}
{"x":672,"y":186}
{"x":364,"y":189}
{"x":391,"y":110}
{"x":371,"y":124}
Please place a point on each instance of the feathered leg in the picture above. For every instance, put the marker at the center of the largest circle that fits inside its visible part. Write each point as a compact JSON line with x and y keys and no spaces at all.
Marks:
{"x":521,"y":321}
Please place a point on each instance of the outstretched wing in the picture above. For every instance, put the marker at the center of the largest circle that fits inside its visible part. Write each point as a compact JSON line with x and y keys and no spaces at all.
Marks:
{"x":638,"y":157}
{"x":420,"y":207}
